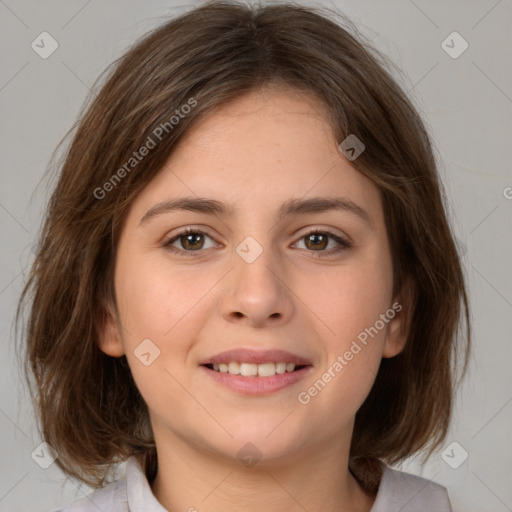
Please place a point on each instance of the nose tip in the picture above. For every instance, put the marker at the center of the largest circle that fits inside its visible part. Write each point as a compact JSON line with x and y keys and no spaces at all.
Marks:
{"x":259,"y":294}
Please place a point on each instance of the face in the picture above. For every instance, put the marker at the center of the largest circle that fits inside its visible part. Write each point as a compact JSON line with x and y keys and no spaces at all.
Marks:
{"x":271,"y":280}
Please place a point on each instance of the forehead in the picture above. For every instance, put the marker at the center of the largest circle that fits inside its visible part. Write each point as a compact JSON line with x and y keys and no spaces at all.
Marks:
{"x":261,"y":149}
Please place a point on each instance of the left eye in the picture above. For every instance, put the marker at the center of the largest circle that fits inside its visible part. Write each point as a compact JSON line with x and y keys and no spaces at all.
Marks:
{"x":320,"y":240}
{"x":192,"y":240}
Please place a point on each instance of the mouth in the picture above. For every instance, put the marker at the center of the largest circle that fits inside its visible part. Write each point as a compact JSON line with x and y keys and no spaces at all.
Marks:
{"x":256,"y":372}
{"x":268,"y":369}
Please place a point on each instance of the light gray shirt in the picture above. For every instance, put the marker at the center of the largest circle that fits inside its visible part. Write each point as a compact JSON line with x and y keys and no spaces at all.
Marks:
{"x":398,"y":492}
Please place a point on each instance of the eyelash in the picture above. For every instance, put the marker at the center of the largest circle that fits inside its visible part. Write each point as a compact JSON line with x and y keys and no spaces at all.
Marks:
{"x":344,"y":244}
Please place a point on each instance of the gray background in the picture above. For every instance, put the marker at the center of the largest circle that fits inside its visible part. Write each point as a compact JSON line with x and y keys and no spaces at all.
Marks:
{"x":466,"y":102}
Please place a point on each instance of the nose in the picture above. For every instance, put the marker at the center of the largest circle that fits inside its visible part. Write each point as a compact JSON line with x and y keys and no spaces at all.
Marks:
{"x":257,"y":292}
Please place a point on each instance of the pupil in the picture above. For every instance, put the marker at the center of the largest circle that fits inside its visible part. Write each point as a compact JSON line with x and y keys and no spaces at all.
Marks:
{"x":316,"y":236}
{"x":190,"y":239}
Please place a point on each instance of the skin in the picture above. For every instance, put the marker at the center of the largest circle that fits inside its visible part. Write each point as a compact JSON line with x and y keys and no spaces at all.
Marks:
{"x":257,"y":152}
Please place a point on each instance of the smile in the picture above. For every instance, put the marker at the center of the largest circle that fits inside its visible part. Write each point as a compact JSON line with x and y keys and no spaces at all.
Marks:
{"x":248,"y":371}
{"x":252,"y":370}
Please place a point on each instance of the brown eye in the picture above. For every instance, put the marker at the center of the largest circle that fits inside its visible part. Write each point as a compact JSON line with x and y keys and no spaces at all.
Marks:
{"x":317,"y":241}
{"x":190,"y":240}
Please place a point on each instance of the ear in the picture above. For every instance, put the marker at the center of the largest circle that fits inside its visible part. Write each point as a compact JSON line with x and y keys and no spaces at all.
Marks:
{"x":109,"y":336}
{"x":399,"y":325}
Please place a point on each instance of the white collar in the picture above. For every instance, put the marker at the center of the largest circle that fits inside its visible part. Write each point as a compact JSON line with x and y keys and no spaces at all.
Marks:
{"x":397,"y":490}
{"x":139,"y":493}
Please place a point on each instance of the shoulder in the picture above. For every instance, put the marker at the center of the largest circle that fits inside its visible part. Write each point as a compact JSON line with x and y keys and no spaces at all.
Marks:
{"x":131,"y":493}
{"x":111,"y":498}
{"x":409,"y":493}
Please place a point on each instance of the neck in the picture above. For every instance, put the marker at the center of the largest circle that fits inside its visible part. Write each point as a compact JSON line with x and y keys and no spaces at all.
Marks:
{"x":317,"y":478}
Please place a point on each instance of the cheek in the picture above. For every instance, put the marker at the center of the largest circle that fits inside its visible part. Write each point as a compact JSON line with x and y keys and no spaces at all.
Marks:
{"x":163,"y":305}
{"x":155,"y":298}
{"x":351,"y":298}
{"x":349,"y":303}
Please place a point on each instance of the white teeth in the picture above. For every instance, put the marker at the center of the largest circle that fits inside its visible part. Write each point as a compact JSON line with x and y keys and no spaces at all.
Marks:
{"x":252,"y":369}
{"x":248,"y":369}
{"x":280,"y":368}
{"x":234,"y":368}
{"x":266,"y":369}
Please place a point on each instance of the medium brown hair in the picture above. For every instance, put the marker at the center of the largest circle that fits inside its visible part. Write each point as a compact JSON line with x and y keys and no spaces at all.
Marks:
{"x":89,"y":408}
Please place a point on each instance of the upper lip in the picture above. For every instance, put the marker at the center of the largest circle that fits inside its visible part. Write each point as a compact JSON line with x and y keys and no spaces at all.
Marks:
{"x":256,"y":357}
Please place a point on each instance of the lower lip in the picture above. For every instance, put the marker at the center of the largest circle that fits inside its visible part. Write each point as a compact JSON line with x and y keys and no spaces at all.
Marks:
{"x":258,"y":385}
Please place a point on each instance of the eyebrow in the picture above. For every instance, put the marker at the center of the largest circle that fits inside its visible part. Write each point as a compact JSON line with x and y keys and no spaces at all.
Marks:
{"x":289,"y":208}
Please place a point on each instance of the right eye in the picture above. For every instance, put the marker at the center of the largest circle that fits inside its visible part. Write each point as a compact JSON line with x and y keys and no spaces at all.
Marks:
{"x":190,"y":239}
